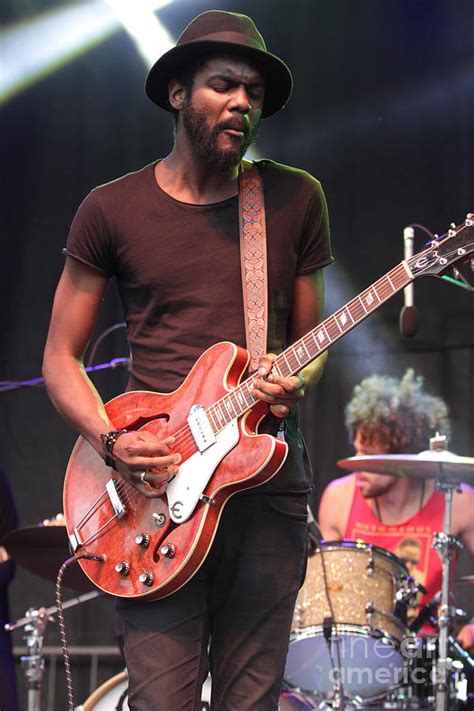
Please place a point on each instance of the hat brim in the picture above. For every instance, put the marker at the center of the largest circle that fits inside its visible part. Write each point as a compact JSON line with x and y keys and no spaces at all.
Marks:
{"x":278,"y":79}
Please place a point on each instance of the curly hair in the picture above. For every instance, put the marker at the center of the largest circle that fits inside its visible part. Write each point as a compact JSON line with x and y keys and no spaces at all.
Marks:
{"x":396,"y":412}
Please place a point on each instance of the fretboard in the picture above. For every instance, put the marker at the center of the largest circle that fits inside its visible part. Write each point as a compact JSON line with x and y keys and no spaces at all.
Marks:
{"x":312,"y":344}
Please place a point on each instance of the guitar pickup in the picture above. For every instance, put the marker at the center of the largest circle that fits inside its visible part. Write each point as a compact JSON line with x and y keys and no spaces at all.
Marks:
{"x":201,"y":428}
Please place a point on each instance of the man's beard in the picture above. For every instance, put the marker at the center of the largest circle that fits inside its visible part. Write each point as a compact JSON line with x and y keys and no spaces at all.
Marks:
{"x":374,"y":489}
{"x":205,"y":140}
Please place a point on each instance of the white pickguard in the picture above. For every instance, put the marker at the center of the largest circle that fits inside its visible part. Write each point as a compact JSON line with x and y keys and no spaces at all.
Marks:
{"x":186,"y":488}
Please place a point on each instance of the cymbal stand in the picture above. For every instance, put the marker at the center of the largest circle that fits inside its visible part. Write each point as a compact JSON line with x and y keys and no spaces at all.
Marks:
{"x":445,"y":544}
{"x":33,"y":662}
{"x":35,"y":622}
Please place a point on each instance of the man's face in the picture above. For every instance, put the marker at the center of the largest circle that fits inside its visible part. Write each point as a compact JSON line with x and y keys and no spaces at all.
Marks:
{"x":223,"y":112}
{"x":372,"y":485}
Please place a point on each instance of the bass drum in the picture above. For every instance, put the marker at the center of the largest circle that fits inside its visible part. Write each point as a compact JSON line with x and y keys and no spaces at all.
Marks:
{"x":112,"y":695}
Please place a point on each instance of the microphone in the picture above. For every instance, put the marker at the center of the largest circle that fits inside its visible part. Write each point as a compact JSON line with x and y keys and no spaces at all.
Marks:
{"x":408,"y":315}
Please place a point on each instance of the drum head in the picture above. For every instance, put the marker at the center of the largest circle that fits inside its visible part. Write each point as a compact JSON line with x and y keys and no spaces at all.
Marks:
{"x":369,"y":666}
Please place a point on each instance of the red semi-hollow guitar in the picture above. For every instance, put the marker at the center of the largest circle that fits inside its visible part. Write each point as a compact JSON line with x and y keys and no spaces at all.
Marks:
{"x":149,"y":548}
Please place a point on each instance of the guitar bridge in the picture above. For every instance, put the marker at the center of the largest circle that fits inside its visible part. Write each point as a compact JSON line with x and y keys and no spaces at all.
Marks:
{"x":118,"y":507}
{"x":74,"y":540}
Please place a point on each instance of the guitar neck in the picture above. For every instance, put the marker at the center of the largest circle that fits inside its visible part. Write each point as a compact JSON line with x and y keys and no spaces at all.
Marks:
{"x":314,"y":343}
{"x":319,"y":339}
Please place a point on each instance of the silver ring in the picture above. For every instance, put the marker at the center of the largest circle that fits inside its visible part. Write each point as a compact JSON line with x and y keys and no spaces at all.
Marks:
{"x":142,"y":476}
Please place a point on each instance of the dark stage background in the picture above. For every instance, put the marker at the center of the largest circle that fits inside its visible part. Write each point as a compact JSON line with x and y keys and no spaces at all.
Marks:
{"x":382,"y":113}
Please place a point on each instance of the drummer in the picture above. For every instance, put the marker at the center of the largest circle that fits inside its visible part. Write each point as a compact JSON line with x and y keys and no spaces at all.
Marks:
{"x":387,"y":415}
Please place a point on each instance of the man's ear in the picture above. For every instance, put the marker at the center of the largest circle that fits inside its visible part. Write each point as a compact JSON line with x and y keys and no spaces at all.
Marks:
{"x":176,"y":94}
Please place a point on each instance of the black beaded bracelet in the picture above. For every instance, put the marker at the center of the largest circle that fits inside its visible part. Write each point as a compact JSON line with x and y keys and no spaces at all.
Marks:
{"x":108,"y":441}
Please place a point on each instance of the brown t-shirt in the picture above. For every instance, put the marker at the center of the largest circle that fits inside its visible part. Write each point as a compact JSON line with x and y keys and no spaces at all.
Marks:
{"x":177,"y":265}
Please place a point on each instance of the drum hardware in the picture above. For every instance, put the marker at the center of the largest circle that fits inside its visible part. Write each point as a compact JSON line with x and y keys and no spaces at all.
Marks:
{"x":408,"y":590}
{"x":369,"y":611}
{"x":370,"y":565}
{"x":35,"y":622}
{"x":444,"y":543}
{"x":418,"y":690}
{"x":427,"y":614}
{"x":336,"y":695}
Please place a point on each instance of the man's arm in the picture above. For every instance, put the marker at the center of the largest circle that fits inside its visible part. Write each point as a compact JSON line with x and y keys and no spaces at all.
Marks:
{"x":282,"y":394}
{"x":463,"y":516}
{"x":463,"y":527}
{"x":76,"y":305}
{"x":335,"y":507}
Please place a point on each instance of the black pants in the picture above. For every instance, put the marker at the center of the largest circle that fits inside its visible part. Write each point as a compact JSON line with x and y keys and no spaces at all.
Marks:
{"x":232,"y":618}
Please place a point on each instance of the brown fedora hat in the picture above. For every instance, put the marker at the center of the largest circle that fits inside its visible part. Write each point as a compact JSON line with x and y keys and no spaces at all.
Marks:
{"x":229,"y":31}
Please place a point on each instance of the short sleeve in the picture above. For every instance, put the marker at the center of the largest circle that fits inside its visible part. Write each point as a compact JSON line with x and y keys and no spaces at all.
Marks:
{"x":89,"y":240}
{"x":315,"y":243}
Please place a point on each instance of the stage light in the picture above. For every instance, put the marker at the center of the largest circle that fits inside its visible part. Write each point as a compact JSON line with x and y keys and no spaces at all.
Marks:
{"x":149,"y":35}
{"x":34,"y":48}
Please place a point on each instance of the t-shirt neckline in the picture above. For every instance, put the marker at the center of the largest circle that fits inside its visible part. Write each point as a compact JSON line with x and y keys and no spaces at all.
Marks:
{"x":180,"y":202}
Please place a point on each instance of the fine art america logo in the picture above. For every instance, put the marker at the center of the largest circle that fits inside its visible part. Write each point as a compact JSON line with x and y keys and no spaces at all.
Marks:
{"x":365,"y":662}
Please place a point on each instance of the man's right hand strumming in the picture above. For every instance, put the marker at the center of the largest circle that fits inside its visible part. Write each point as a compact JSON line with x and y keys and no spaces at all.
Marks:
{"x":145,"y":461}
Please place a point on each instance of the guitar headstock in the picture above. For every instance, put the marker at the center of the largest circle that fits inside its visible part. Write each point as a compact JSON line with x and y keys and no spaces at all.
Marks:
{"x":445,"y":252}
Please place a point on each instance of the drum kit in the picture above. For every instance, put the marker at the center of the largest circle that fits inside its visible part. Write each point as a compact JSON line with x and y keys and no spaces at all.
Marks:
{"x":350,"y":647}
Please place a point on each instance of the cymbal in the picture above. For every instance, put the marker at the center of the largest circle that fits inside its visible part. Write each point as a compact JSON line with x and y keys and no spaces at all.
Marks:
{"x":444,"y":465}
{"x":42,"y":550}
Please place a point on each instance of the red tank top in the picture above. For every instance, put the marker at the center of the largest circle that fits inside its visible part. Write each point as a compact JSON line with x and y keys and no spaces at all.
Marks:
{"x":410,"y":540}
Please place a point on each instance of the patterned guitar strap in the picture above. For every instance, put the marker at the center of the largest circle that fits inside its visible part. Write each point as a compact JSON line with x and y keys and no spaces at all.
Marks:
{"x":253,"y":260}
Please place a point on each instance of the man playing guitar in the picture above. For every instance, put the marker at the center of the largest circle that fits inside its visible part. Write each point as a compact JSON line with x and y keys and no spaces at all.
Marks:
{"x":169,"y":234}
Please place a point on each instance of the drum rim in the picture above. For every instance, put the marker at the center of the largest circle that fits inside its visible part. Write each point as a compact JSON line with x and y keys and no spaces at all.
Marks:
{"x":101,"y":690}
{"x":348,"y":628}
{"x":351,"y":544}
{"x":357,"y":630}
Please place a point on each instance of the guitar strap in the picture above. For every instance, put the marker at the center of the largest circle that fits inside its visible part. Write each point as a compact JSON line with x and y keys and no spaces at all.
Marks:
{"x":253,"y":260}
